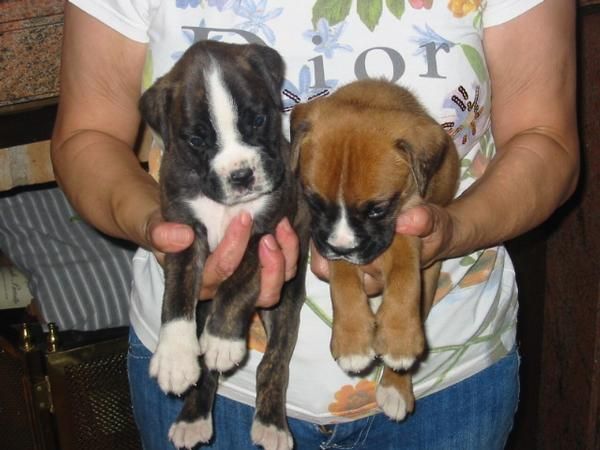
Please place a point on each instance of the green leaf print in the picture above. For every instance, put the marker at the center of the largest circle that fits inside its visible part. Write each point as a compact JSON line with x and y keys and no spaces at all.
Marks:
{"x":478,"y":20}
{"x":396,"y":7}
{"x":318,"y":311}
{"x":333,"y":10}
{"x":148,"y":72}
{"x":467,"y":261}
{"x":487,"y":145}
{"x":369,"y":12}
{"x":476,"y":61}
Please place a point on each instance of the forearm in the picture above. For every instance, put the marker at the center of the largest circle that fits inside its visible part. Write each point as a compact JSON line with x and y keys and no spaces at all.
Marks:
{"x":526,"y":181}
{"x":106,"y":184}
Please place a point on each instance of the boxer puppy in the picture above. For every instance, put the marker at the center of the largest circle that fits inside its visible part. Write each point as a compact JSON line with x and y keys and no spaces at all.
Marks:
{"x":218,"y":113}
{"x":366,"y":153}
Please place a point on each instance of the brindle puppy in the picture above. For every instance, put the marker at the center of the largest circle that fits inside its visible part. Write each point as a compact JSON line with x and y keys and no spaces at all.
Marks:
{"x":218,"y":113}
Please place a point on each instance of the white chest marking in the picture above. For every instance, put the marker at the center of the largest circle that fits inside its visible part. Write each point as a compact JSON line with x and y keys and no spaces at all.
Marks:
{"x":216,"y":217}
{"x":342,"y":235}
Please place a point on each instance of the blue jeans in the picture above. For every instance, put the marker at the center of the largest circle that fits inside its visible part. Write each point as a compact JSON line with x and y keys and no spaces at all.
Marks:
{"x":475,"y":414}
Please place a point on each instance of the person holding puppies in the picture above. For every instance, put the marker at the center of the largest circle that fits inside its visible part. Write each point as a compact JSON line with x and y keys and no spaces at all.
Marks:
{"x":498,"y":76}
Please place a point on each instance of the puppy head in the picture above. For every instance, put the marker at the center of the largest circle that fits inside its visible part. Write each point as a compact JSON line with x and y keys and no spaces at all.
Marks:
{"x":359,"y":168}
{"x":218,"y":114}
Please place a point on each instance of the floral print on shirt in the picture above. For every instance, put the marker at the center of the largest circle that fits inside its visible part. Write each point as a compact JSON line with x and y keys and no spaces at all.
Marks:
{"x":463,"y":109}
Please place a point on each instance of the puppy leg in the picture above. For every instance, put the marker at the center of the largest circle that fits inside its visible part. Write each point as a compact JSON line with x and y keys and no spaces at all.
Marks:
{"x":353,"y":320}
{"x":399,"y":338}
{"x":194,"y":423}
{"x":175,"y":361}
{"x":223,"y":341}
{"x":430,"y":278}
{"x":269,"y":427}
{"x":394,"y":394}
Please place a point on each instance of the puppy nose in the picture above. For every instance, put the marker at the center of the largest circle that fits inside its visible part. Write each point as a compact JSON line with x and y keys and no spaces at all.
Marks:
{"x":342,"y":251}
{"x":242,"y":177}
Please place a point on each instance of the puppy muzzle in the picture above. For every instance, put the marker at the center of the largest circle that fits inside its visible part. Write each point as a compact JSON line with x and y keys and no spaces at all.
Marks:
{"x":244,"y":184}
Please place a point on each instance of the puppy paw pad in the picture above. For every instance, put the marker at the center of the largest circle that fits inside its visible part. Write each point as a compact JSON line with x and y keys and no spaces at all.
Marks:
{"x":222,"y":354}
{"x":391,"y":402}
{"x":271,"y":437}
{"x":356,"y":363}
{"x":398,"y":363}
{"x":175,"y":361}
{"x":188,"y":434}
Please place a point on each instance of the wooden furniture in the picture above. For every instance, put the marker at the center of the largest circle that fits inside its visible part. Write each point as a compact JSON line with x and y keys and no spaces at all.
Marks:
{"x":558,"y":270}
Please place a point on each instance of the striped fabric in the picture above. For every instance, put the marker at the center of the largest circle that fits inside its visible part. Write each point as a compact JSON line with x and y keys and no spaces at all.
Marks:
{"x":79,"y":277}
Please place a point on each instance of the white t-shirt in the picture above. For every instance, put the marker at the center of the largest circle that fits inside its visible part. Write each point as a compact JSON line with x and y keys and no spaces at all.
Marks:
{"x":433,"y":47}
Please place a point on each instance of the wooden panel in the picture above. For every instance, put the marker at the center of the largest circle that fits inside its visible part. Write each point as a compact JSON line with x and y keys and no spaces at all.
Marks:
{"x":570,"y":379}
{"x":558,"y":274}
{"x":588,"y":2}
{"x":528,"y":253}
{"x":25,"y":165}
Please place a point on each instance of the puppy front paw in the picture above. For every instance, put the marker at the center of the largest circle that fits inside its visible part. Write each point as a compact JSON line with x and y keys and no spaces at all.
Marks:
{"x":351,"y":346}
{"x":271,"y":437}
{"x":399,"y":347}
{"x":175,"y":361}
{"x":222,"y":354}
{"x":356,"y":363}
{"x":187,"y":434}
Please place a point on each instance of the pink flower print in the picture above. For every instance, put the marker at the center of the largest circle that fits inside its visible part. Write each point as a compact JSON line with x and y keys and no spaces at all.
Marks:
{"x":420,"y":4}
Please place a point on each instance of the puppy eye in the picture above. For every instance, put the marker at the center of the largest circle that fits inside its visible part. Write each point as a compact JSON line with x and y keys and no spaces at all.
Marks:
{"x":313,"y":201}
{"x":377,"y":211}
{"x":259,"y":121}
{"x":196,"y":141}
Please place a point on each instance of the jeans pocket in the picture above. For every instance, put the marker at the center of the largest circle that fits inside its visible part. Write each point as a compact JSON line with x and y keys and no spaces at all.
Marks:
{"x":136,"y":349}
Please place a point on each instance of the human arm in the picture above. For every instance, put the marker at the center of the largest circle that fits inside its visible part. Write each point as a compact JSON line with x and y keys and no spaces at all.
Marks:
{"x":94,"y":162}
{"x":532,"y":66}
{"x":531,"y":60}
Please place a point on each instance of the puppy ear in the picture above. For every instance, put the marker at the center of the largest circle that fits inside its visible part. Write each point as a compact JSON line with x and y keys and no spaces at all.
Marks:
{"x":300,"y":127}
{"x":155,"y":106}
{"x":426,"y":147}
{"x":269,"y":65}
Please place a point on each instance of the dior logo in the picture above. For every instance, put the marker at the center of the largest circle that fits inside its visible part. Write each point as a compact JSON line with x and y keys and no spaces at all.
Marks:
{"x":397,"y":64}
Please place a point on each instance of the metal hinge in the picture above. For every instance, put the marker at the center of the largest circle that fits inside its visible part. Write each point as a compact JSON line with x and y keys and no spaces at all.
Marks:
{"x":42,"y":395}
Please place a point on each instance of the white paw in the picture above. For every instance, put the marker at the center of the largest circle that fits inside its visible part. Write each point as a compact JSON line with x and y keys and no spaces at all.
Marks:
{"x":356,"y":363}
{"x":175,"y":361}
{"x":271,"y":437}
{"x":398,"y":363}
{"x":391,"y":402}
{"x":188,"y":434}
{"x":221,"y":354}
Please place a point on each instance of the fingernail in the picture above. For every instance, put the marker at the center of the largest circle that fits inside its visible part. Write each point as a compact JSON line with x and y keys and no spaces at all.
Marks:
{"x":181,"y":235}
{"x":245,"y":218}
{"x":270,"y":243}
{"x":403,"y":221}
{"x":287,"y":227}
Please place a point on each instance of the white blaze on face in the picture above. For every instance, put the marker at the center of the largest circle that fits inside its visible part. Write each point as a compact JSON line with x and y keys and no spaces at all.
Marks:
{"x":342,"y":235}
{"x":233,"y":152}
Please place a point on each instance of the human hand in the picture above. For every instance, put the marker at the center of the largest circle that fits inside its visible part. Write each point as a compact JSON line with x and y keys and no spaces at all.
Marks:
{"x":433,"y":224}
{"x":278,"y":254}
